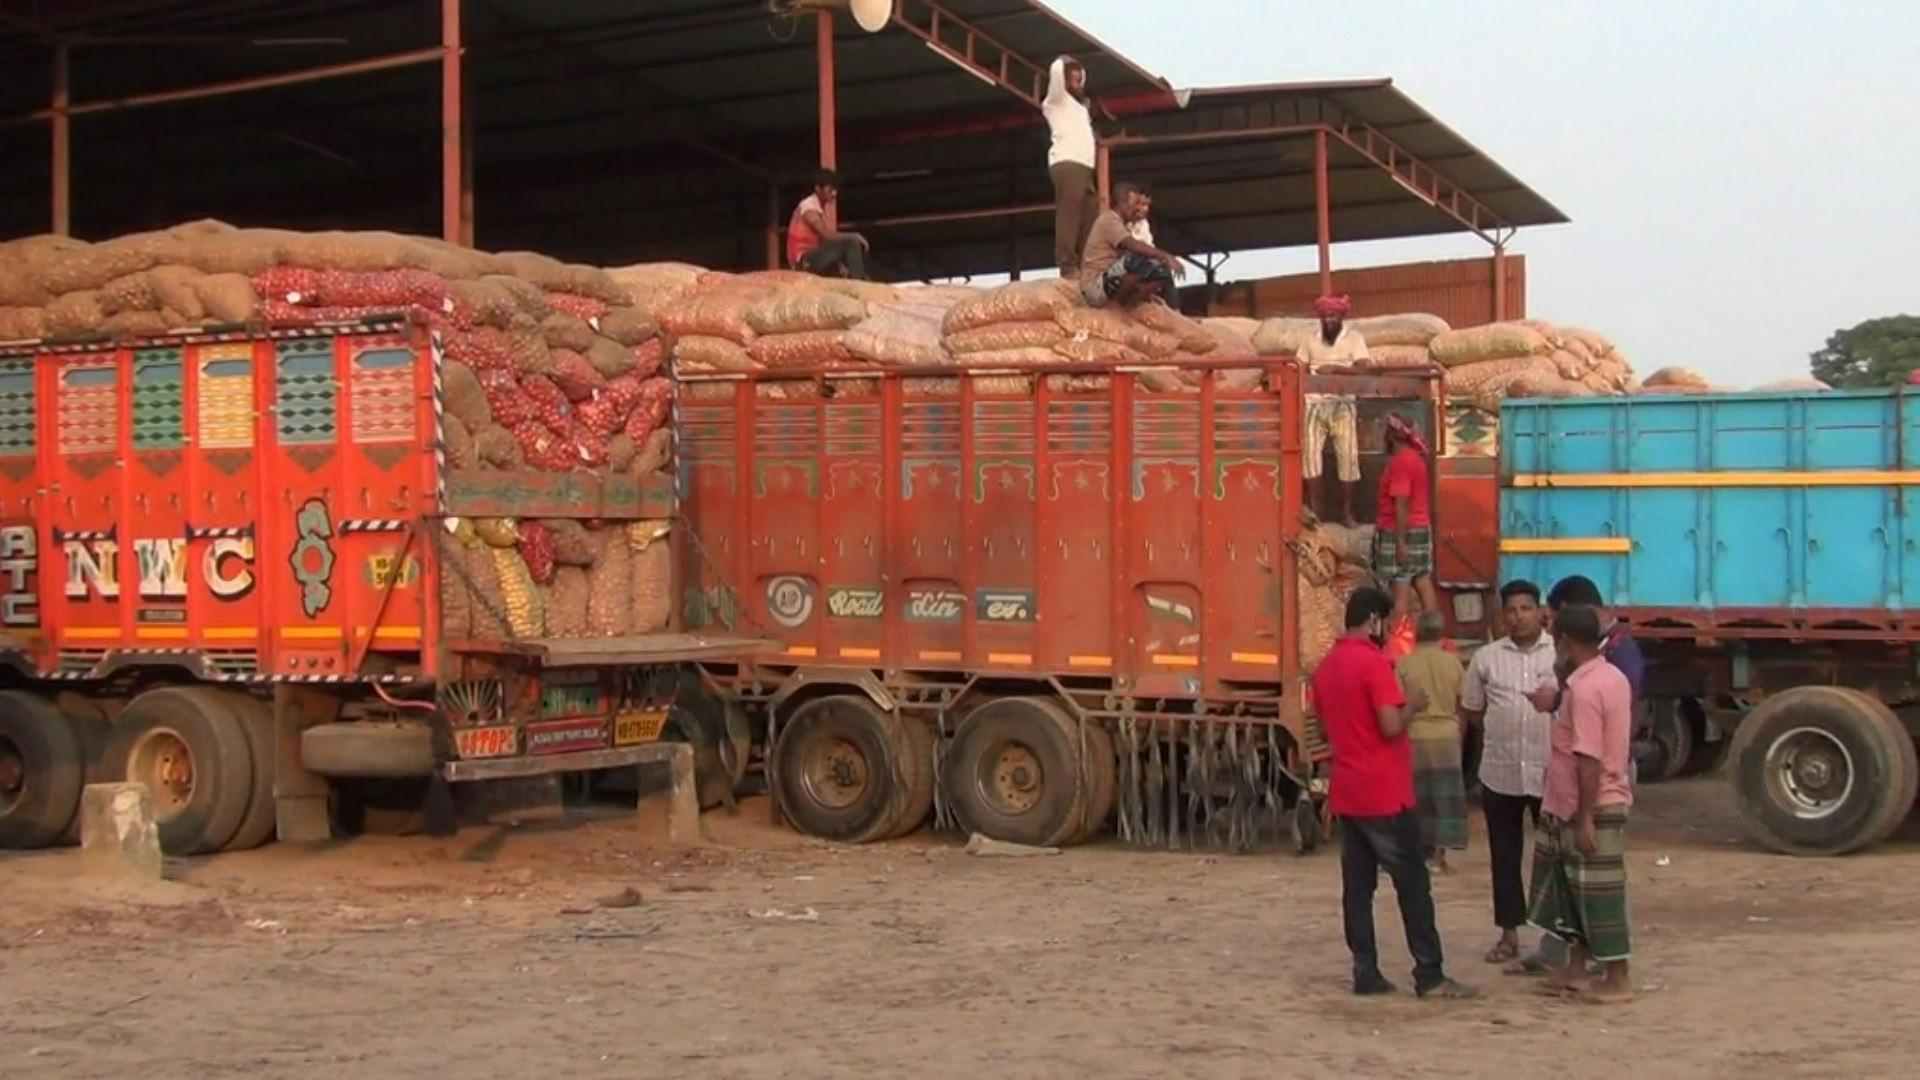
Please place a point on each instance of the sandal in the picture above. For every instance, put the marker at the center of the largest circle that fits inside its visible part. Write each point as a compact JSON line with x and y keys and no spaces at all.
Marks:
{"x":1503,"y":952}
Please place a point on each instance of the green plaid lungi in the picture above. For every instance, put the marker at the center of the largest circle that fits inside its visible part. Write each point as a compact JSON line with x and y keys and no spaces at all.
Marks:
{"x":1419,"y":563}
{"x":1580,"y":897}
{"x":1440,"y":789}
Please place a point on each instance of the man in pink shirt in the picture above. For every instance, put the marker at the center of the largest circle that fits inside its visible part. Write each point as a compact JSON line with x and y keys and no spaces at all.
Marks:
{"x":1579,"y":892}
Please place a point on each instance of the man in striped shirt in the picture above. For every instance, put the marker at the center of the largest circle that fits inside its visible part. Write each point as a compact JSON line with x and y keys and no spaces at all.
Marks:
{"x":1497,"y":695}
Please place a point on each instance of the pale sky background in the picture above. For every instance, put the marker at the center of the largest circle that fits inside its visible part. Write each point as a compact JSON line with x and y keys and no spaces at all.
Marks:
{"x":1743,"y":177}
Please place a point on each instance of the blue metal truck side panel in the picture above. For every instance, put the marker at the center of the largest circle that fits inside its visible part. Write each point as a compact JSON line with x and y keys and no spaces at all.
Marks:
{"x":1719,"y":540}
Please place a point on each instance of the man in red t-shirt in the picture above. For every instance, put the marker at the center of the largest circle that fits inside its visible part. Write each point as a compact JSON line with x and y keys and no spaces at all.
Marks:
{"x":1364,"y":712}
{"x":1403,"y":525}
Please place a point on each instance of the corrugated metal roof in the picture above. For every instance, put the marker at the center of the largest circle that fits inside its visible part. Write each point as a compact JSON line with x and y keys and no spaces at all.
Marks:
{"x":614,"y":131}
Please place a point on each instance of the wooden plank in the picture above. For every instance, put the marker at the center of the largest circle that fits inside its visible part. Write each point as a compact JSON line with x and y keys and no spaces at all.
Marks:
{"x":634,"y":649}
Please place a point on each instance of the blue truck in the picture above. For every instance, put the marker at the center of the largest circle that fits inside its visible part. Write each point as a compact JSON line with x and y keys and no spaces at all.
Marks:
{"x":1765,"y":548}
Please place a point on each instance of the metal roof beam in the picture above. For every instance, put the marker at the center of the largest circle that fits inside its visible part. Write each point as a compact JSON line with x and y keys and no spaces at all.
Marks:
{"x":983,"y":56}
{"x":1419,"y":177}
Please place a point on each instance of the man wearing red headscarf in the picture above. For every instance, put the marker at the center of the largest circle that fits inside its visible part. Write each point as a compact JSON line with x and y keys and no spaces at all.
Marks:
{"x":1403,"y":526}
{"x":1331,"y":417}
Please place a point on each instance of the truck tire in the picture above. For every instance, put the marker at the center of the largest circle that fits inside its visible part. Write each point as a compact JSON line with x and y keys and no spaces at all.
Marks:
{"x":917,"y":768}
{"x":1103,"y":778}
{"x":191,"y":752}
{"x":41,"y":771}
{"x":1897,"y":801}
{"x":369,"y":750}
{"x":721,"y":739}
{"x":1670,"y":741}
{"x":92,"y":731}
{"x":1014,"y":773}
{"x":1821,"y":770}
{"x":256,"y":721}
{"x":840,"y":770}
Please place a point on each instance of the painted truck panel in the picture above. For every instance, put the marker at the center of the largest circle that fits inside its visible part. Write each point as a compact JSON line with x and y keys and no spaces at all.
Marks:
{"x":1728,"y":505}
{"x":248,"y":507}
{"x":904,"y":525}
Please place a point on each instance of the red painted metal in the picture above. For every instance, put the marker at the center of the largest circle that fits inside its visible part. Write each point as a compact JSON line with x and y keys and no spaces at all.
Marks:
{"x":976,"y":50}
{"x":456,"y":177}
{"x":1137,"y":539}
{"x":411,"y":58}
{"x":1457,"y":290}
{"x":829,"y":102}
{"x":1322,"y":211}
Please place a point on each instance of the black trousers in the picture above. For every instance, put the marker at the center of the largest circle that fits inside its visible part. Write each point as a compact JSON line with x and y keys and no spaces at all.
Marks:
{"x":1507,"y":846}
{"x":831,"y":255}
{"x":1368,"y":845}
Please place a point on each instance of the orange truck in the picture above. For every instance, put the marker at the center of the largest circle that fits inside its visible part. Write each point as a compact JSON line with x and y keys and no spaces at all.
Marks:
{"x":223,"y":555}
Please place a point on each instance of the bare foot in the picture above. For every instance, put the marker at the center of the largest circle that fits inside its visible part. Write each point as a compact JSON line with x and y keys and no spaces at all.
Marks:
{"x":1604,"y":993}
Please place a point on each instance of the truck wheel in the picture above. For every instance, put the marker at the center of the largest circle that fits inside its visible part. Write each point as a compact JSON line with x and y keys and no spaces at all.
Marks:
{"x":1013,"y":773}
{"x":916,"y":766}
{"x":191,"y":752}
{"x":1818,"y":771}
{"x":91,"y":733}
{"x":40,"y":771}
{"x":256,"y":721}
{"x":839,"y":768}
{"x":1671,"y":741}
{"x":369,"y":749}
{"x":1103,"y":778}
{"x":721,"y":741}
{"x":1897,"y":800}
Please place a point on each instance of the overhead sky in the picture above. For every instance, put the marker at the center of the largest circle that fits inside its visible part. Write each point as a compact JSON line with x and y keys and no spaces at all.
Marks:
{"x":1743,"y":178}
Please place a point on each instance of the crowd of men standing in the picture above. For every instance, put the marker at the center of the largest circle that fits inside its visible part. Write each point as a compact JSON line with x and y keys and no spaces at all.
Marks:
{"x":1553,"y":699}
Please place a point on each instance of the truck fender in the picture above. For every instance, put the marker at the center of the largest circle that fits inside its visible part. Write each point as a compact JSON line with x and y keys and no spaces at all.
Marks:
{"x":814,"y":680}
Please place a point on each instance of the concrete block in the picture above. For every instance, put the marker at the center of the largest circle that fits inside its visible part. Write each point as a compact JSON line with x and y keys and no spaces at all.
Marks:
{"x":683,"y":801}
{"x":118,"y":834}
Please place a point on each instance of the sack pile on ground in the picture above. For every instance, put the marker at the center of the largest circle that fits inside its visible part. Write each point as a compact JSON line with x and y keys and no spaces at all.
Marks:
{"x":547,"y":366}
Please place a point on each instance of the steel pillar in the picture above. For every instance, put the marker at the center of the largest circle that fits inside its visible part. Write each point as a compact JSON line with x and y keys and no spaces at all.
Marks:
{"x":62,"y":144}
{"x":456,"y":165}
{"x":829,"y":103}
{"x":1322,"y":211}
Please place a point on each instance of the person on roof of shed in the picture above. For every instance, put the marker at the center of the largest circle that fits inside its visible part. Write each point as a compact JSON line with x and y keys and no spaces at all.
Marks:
{"x":1118,"y":267}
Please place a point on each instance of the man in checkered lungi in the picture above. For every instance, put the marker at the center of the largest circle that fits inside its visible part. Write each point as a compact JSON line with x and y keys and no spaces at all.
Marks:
{"x":1579,"y":888}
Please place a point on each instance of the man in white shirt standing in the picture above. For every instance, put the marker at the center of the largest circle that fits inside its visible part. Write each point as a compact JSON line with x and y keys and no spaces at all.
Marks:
{"x":1070,"y":162}
{"x":1332,"y":417}
{"x":1497,"y":694}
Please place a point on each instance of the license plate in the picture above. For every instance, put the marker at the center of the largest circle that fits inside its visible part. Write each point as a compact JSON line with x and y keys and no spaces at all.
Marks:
{"x":486,"y":742}
{"x":566,"y":736}
{"x":639,"y":727}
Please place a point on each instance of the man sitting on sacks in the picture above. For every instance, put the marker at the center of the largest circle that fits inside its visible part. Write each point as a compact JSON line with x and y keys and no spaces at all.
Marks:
{"x":814,"y":245}
{"x":1119,"y":268}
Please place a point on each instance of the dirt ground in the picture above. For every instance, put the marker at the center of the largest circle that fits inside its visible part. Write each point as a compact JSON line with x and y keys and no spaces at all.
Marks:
{"x":765,"y":954}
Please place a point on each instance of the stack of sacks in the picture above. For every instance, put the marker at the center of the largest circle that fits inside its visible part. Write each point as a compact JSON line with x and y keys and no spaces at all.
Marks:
{"x":546,"y":366}
{"x":1046,"y":322}
{"x":771,"y":320}
{"x":1332,"y":562}
{"x":1394,"y":341}
{"x":1485,"y":364}
{"x":1675,"y":380}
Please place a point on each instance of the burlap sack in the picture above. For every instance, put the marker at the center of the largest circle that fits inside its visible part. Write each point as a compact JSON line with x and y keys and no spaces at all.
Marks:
{"x":795,"y":310}
{"x":1415,"y":328}
{"x":1189,"y":336}
{"x":1399,"y":356}
{"x":901,"y":335}
{"x":1282,"y":337}
{"x":1021,"y":301}
{"x":1494,"y":341}
{"x":462,"y":396}
{"x":627,"y":325}
{"x":801,"y":349}
{"x":226,"y":298}
{"x":996,"y":337}
{"x":1112,"y":324}
{"x":704,"y":353}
